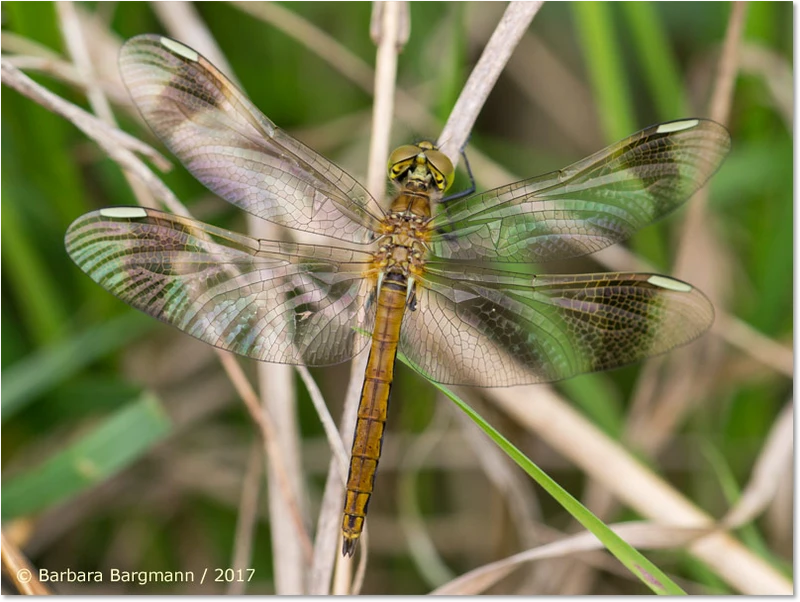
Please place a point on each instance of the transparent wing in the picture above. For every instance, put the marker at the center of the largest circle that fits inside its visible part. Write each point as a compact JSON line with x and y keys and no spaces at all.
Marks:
{"x":498,"y":328}
{"x":232,"y":148}
{"x":272,"y":301}
{"x":592,"y":204}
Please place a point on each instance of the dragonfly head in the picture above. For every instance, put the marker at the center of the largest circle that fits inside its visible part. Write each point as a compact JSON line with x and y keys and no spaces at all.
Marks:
{"x":421,"y":162}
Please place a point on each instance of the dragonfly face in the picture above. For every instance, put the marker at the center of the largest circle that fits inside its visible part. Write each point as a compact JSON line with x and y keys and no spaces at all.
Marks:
{"x":421,"y":163}
{"x":427,"y":281}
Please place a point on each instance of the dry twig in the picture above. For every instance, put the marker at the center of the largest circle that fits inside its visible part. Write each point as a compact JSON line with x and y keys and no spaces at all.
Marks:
{"x":74,"y":40}
{"x":119,"y":145}
{"x":246,"y":520}
{"x":772,"y":463}
{"x":19,"y":569}
{"x":638,"y":534}
{"x":278,"y":400}
{"x":504,"y":40}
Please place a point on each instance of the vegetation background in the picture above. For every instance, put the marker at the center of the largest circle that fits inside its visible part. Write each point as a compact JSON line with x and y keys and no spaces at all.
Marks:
{"x":125,"y":445}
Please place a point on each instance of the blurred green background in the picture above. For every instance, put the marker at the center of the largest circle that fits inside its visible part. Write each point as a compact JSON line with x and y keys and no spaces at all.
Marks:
{"x":166,"y":438}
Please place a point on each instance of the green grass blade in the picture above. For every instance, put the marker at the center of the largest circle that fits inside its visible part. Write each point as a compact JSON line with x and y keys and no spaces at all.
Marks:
{"x":634,"y":561}
{"x":112,"y":446}
{"x":38,"y":373}
{"x":38,"y":301}
{"x":658,"y":61}
{"x":604,"y":63}
{"x":451,"y":69}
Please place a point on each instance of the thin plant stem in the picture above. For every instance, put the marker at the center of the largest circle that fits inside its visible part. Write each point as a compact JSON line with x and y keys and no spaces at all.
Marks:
{"x":278,"y":399}
{"x":495,"y":56}
{"x":20,"y":570}
{"x":246,"y":520}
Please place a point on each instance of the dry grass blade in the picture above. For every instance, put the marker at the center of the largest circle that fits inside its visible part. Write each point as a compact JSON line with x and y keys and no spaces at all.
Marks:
{"x":271,"y":446}
{"x":17,"y":44}
{"x":484,"y":75}
{"x":506,"y":478}
{"x":605,"y":460}
{"x":772,"y":464}
{"x":103,"y":47}
{"x":747,"y":339}
{"x":781,"y":513}
{"x":19,"y":570}
{"x":402,"y":28}
{"x":105,"y":135}
{"x":328,"y":533}
{"x":776,"y":73}
{"x":388,"y":35}
{"x":720,"y":106}
{"x":639,"y":534}
{"x":291,"y":555}
{"x":328,"y":425}
{"x":424,"y":554}
{"x":327,"y":538}
{"x":117,"y":144}
{"x":722,"y":98}
{"x":246,"y":521}
{"x":328,"y":541}
{"x":63,"y":71}
{"x":276,"y":382}
{"x":74,"y":39}
{"x":361,"y":569}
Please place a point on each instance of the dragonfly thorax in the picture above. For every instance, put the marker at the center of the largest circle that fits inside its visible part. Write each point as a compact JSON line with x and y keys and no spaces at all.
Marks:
{"x":402,"y":247}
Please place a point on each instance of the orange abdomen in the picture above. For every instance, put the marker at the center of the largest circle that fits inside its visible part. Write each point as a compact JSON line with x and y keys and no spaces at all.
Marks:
{"x":372,"y":408}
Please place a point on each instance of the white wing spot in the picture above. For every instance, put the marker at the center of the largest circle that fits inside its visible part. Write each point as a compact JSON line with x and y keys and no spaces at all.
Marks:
{"x":677,"y":126}
{"x":669,"y":284}
{"x":179,"y":49}
{"x":123,"y":212}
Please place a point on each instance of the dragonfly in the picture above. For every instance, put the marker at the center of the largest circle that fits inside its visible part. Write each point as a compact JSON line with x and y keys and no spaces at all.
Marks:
{"x":435,"y":278}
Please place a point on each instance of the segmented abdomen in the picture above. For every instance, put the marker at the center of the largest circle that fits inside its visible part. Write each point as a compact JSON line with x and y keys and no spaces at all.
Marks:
{"x":373,"y":407}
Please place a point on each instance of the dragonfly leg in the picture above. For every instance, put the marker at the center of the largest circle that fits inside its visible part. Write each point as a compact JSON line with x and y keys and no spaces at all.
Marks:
{"x":467,"y":191}
{"x":446,"y":202}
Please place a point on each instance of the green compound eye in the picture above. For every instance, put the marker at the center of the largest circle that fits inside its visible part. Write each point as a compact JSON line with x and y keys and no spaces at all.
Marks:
{"x":401,"y":159}
{"x":441,"y":168}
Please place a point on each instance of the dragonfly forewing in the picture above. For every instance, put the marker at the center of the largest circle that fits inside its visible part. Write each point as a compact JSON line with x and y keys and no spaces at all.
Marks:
{"x":594,"y":203}
{"x":232,"y":148}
